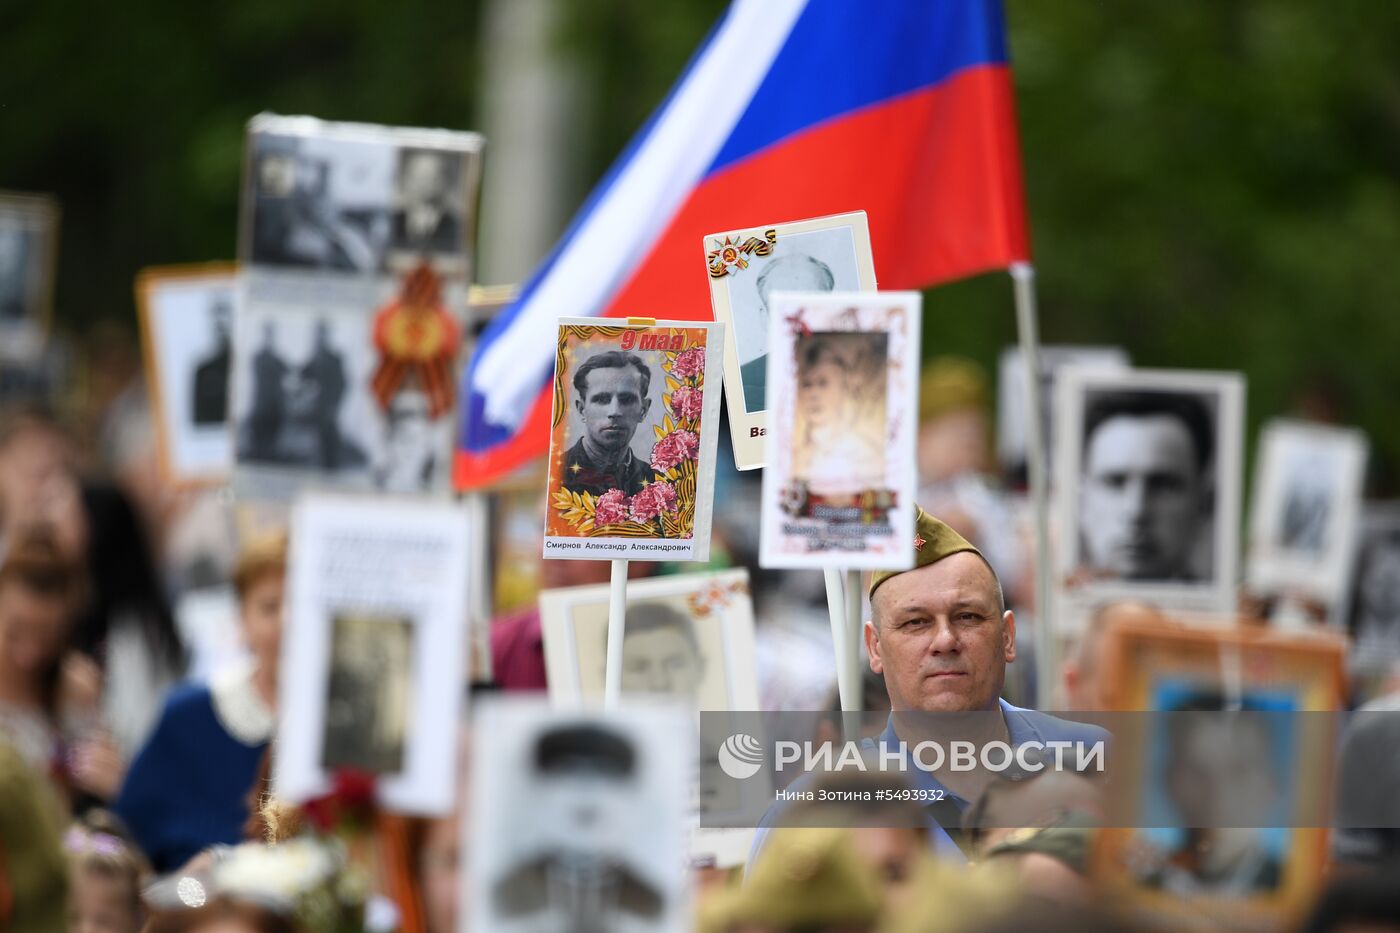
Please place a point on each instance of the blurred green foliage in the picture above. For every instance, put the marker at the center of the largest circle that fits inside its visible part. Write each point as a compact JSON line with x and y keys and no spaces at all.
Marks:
{"x":1211,"y":185}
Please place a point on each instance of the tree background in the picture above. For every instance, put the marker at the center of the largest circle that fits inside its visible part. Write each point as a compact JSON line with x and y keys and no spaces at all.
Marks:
{"x":1211,"y":185}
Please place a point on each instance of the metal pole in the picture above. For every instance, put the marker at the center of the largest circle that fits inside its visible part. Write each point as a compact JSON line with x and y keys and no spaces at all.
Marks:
{"x":479,"y":595}
{"x":1046,"y":648}
{"x":835,"y":607}
{"x":617,"y":620}
{"x":852,"y":639}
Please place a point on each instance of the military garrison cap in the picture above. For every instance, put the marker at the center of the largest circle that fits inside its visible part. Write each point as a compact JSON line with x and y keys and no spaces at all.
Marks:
{"x":933,"y":541}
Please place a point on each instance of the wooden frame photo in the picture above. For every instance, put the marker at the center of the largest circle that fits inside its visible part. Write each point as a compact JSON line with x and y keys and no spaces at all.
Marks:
{"x":1240,"y":695}
{"x":187,"y":316}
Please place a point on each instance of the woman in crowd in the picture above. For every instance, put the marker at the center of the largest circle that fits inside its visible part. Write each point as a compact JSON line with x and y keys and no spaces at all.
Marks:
{"x":50,"y":696}
{"x":188,"y":787}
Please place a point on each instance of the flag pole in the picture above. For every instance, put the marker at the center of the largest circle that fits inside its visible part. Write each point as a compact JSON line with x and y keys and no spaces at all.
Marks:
{"x":1046,"y":661}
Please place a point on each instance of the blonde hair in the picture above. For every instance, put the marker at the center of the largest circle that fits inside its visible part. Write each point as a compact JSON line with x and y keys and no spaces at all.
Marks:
{"x":261,"y":556}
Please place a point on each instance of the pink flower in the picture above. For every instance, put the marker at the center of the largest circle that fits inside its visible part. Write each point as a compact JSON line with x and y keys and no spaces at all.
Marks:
{"x":652,"y":501}
{"x":610,"y":508}
{"x":687,"y":401}
{"x":689,"y":363}
{"x":674,"y":448}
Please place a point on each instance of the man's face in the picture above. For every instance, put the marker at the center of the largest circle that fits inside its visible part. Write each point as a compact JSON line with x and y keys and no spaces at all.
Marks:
{"x":940,"y":638}
{"x":1221,"y":772}
{"x":1142,"y":497}
{"x":793,"y":275}
{"x":32,"y":628}
{"x":660,"y":661}
{"x":612,"y":406}
{"x":422,"y":178}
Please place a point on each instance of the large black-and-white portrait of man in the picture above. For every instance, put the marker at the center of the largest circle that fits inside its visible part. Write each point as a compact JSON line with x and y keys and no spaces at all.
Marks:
{"x":1150,"y":482}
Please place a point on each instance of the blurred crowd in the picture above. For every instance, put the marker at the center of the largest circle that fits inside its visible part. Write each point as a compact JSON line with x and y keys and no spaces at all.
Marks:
{"x":139,"y":648}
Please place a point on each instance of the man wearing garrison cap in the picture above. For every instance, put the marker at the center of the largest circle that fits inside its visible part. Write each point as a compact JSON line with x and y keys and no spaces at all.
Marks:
{"x":941,"y":636}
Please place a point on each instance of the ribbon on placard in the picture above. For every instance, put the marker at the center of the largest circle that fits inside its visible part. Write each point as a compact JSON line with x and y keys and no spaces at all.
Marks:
{"x":415,"y":336}
{"x":730,"y":255}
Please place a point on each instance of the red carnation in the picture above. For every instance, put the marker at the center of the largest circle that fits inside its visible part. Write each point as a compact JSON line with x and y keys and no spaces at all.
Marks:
{"x":689,"y":363}
{"x":687,"y":401}
{"x":610,"y":508}
{"x":652,"y":501}
{"x":674,"y":448}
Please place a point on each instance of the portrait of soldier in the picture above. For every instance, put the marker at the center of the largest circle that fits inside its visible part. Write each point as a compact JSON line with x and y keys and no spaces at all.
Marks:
{"x":610,"y":396}
{"x":426,"y":218}
{"x":1221,"y":784}
{"x":585,"y":777}
{"x":1145,"y":494}
{"x":210,"y":395}
{"x":660,"y":652}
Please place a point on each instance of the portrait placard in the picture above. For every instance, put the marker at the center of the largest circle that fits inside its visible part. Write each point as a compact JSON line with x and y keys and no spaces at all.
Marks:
{"x":1231,"y":700}
{"x":747,"y":267}
{"x":187,"y":315}
{"x":632,"y":442}
{"x":373,"y":655}
{"x":1012,"y":429}
{"x":1147,"y":467}
{"x":577,"y":820}
{"x":28,"y":248}
{"x":356,"y":248}
{"x":1373,"y":606}
{"x":321,"y":397}
{"x":688,"y":636}
{"x":1304,"y":511}
{"x":839,"y":481}
{"x":358,"y":199}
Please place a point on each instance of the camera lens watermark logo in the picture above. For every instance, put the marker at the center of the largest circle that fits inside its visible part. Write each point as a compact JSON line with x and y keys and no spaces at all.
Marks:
{"x":740,"y":756}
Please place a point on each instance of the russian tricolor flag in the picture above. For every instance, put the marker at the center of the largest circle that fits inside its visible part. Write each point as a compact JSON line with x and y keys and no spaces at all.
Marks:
{"x":790,"y":109}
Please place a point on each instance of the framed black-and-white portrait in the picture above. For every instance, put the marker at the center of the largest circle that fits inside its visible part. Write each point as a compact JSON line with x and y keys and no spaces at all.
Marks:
{"x":1304,"y":510}
{"x":1373,"y":605}
{"x":1011,"y":397}
{"x":373,"y":669}
{"x":688,"y":637}
{"x":187,"y":315}
{"x":1148,"y":486}
{"x":304,"y":411}
{"x":28,"y":248}
{"x":578,"y":821}
{"x":358,"y":199}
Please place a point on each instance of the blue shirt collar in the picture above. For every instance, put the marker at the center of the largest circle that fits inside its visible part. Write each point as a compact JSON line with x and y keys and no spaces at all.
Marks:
{"x":1019,"y":728}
